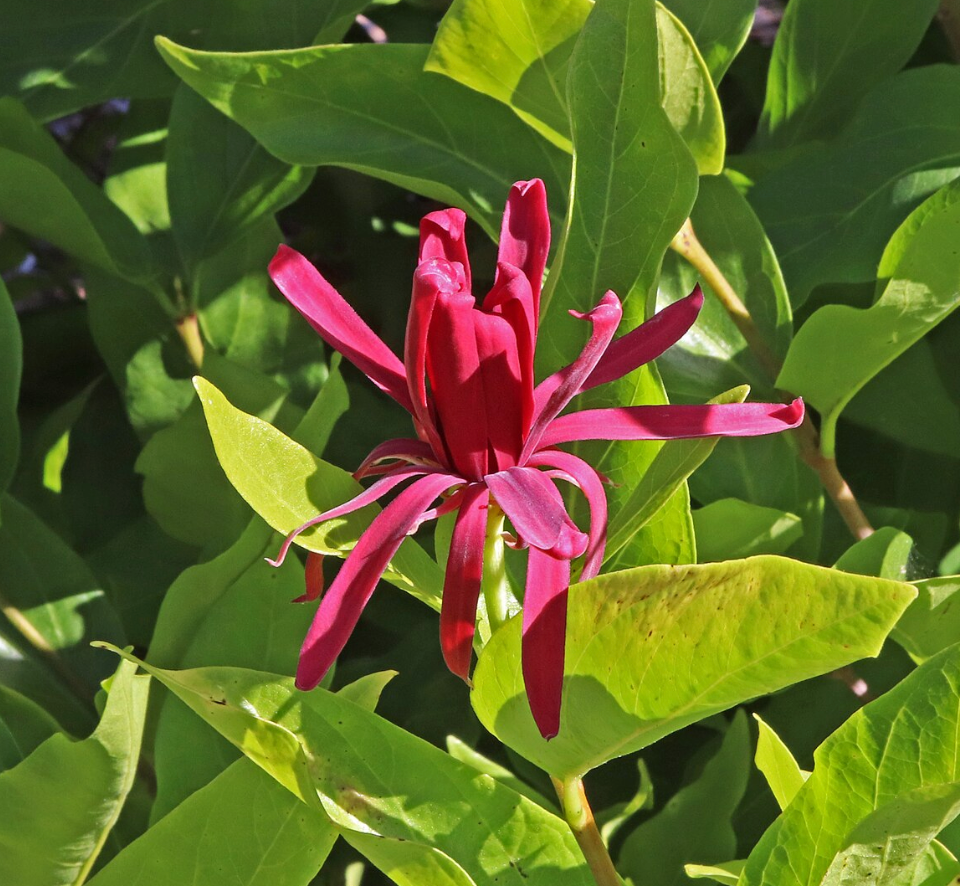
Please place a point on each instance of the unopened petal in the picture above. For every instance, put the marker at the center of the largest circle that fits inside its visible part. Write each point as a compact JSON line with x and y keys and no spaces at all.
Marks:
{"x":442,"y":236}
{"x":525,"y":236}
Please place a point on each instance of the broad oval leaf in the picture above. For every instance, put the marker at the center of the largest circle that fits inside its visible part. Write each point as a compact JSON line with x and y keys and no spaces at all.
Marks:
{"x":372,"y":108}
{"x":634,"y":183}
{"x":828,"y":55}
{"x":58,"y":806}
{"x":932,"y":622}
{"x":242,"y":829}
{"x":287,"y":486}
{"x":719,"y":28}
{"x":319,"y":743}
{"x":829,"y":214}
{"x":839,"y":349}
{"x":43,"y":193}
{"x":882,"y":787}
{"x":690,"y":641}
{"x":519,"y":53}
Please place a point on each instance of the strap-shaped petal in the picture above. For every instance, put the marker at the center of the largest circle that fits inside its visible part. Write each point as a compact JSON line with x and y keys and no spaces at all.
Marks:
{"x":555,"y":392}
{"x":461,"y":585}
{"x":535,"y":508}
{"x":313,"y":578}
{"x":399,"y":449}
{"x":575,"y":470}
{"x":338,"y":324}
{"x":675,"y":422}
{"x":647,"y":342}
{"x":342,"y":605}
{"x":525,"y":237}
{"x":544,"y":636}
{"x":400,"y":474}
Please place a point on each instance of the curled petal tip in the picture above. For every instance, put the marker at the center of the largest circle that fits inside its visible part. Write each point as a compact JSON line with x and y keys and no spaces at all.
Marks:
{"x":275,"y":563}
{"x":792,"y":413}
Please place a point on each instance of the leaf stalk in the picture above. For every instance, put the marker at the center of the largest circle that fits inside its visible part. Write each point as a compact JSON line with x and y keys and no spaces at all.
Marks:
{"x":579,"y":816}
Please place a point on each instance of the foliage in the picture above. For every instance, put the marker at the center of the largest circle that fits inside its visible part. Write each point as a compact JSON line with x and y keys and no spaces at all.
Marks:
{"x":166,"y":418}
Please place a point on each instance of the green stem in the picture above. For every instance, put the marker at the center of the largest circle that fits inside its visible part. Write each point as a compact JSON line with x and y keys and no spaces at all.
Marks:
{"x":188,"y":328}
{"x":817,"y":450}
{"x":579,"y":816}
{"x":496,"y":585}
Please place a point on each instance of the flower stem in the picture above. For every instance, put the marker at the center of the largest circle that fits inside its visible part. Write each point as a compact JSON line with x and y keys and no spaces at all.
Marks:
{"x":188,"y":328}
{"x":579,"y":816}
{"x":817,"y":453}
{"x":496,"y":585}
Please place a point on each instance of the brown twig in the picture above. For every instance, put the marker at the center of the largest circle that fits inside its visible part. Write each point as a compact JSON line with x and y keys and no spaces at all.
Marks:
{"x":807,"y":437}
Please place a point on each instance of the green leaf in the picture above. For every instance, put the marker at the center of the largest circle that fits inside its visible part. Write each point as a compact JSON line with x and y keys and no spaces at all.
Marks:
{"x":889,"y":405}
{"x":373,"y":109}
{"x":885,"y":554}
{"x":406,"y":863}
{"x":242,"y":829}
{"x":69,"y":57}
{"x":690,"y":641}
{"x":695,"y":822}
{"x":777,"y":764}
{"x":688,"y":94}
{"x":713,"y":356}
{"x":516,"y":52}
{"x":731,"y":528}
{"x":219,"y":179}
{"x":11,"y":358}
{"x":674,"y":462}
{"x":839,"y":349}
{"x":491,"y":832}
{"x":766,"y":472}
{"x":287,"y":486}
{"x":58,"y":806}
{"x":519,"y":54}
{"x":24,"y":725}
{"x":829,"y":214}
{"x":727,"y":873}
{"x":45,"y":195}
{"x":882,"y":787}
{"x":56,"y":606}
{"x":720,"y":28}
{"x":932,"y":622}
{"x":465,"y":754}
{"x":634,"y":182}
{"x":827,"y":56}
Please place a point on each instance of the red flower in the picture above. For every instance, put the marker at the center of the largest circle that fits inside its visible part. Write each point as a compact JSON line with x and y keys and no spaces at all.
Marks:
{"x":486,"y":433}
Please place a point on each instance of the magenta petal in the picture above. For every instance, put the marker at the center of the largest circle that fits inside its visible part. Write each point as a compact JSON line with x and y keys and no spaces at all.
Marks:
{"x":433,"y":278}
{"x":399,"y":474}
{"x":338,"y":324}
{"x":442,"y":236}
{"x":544,"y":636}
{"x":555,"y":392}
{"x":461,"y":585}
{"x":647,"y":342}
{"x":343,"y":603}
{"x":575,"y":470}
{"x":535,"y":508}
{"x":399,"y":449}
{"x":525,"y":237}
{"x":675,"y":422}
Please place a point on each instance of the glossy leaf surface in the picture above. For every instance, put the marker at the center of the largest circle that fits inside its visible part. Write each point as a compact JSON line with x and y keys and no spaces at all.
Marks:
{"x":691,"y":641}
